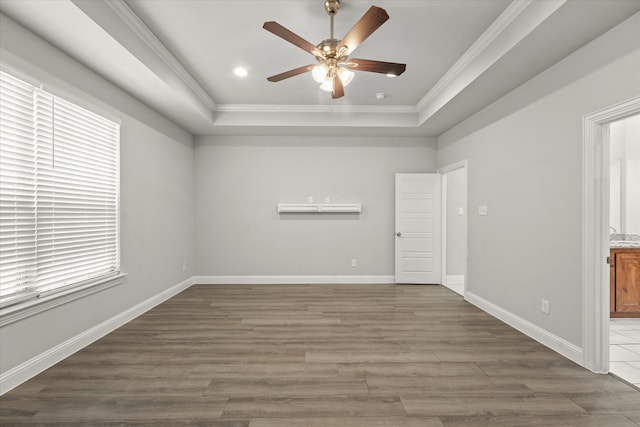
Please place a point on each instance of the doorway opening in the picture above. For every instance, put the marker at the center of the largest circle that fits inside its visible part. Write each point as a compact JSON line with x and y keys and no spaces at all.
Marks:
{"x":596,"y":151}
{"x":624,"y":237}
{"x":454,"y":226}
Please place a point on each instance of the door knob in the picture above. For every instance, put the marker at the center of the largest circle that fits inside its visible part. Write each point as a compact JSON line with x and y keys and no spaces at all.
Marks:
{"x":398,"y":234}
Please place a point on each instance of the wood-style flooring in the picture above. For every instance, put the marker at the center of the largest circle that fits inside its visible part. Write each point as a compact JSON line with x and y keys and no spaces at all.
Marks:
{"x":316,"y":356}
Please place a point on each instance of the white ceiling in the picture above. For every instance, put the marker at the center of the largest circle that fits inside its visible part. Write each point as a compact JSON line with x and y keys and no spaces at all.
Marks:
{"x":178,"y":57}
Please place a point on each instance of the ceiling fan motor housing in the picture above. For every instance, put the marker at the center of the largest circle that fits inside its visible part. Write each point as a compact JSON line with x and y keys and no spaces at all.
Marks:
{"x":328,"y":47}
{"x":332,"y":6}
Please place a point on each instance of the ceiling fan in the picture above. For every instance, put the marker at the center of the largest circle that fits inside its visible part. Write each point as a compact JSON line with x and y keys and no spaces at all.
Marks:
{"x":334,"y":69}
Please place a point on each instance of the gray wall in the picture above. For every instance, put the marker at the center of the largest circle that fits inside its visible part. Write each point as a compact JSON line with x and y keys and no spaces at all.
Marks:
{"x":524,"y":155}
{"x":156,"y":199}
{"x":240,"y":180}
{"x":525,"y":164}
{"x":456,"y":223}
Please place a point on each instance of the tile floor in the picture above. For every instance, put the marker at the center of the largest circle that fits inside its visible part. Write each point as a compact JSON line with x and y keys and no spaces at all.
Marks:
{"x":624,"y":349}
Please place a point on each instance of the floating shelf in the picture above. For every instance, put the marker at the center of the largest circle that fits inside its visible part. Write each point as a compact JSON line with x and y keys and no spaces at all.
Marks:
{"x":319,"y":207}
{"x":340,"y":207}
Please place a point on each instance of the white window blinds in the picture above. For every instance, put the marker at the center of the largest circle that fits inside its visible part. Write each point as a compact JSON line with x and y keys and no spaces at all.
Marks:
{"x":59,"y":193}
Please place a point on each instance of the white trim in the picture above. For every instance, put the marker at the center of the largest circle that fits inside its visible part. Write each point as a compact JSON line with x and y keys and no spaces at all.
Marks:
{"x":453,"y":166}
{"x":133,"y":21}
{"x":32,"y":367}
{"x":455,"y":283}
{"x":554,"y":342}
{"x":25,"y":309}
{"x":444,"y":182}
{"x":595,"y":232}
{"x":287,"y":280}
{"x":496,"y":28}
{"x":516,"y":22}
{"x":320,"y":108}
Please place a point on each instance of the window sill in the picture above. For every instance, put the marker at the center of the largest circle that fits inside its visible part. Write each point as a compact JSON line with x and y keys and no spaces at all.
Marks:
{"x":32,"y":307}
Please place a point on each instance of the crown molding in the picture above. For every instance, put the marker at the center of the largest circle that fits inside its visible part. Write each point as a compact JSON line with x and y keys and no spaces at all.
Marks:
{"x":272,"y":108}
{"x":312,"y":116}
{"x":498,"y":39}
{"x":320,"y":116}
{"x":477,"y":48}
{"x":517,"y":21}
{"x":140,"y":29}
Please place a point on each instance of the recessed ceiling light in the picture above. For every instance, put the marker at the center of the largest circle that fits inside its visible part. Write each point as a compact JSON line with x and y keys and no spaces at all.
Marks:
{"x":380,"y":95}
{"x":390,"y":75}
{"x":240,"y":72}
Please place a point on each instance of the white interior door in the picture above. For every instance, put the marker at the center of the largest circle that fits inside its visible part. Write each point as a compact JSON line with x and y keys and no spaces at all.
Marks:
{"x":418,"y":228}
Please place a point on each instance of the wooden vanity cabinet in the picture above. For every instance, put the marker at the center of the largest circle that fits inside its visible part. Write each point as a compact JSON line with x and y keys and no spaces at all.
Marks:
{"x":624,"y":279}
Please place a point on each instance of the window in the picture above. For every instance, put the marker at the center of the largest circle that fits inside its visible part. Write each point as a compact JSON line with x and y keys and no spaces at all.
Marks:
{"x":59,"y":194}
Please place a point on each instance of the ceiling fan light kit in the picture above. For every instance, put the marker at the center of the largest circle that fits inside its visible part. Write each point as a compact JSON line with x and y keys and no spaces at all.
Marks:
{"x":335,"y":69}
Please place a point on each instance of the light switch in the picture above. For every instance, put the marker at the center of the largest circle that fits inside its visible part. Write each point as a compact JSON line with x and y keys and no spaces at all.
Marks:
{"x":483,"y":210}
{"x":460,"y":211}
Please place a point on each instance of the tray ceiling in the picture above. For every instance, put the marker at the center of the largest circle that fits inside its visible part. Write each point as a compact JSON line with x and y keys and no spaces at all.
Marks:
{"x":178,"y":57}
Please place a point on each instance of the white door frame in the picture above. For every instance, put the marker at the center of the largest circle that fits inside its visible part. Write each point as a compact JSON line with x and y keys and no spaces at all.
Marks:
{"x":595,"y":231}
{"x":462,"y":164}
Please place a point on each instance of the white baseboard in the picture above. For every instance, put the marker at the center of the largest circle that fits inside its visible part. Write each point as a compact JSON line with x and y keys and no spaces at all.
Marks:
{"x":544,"y":337}
{"x":454,"y":280}
{"x":32,"y":367}
{"x":287,"y":280}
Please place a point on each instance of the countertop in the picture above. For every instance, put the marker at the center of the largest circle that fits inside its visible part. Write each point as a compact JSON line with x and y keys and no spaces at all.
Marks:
{"x":624,"y":241}
{"x":624,"y":245}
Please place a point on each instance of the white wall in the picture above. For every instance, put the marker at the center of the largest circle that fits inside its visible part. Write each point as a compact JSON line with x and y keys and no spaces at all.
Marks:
{"x":239,"y":181}
{"x":524,"y":154}
{"x":625,"y":187}
{"x":157,"y":202}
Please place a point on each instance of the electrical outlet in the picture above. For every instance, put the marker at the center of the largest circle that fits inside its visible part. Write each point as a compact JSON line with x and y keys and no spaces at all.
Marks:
{"x":544,"y":306}
{"x":327,"y":199}
{"x":354,"y":263}
{"x":310,"y":199}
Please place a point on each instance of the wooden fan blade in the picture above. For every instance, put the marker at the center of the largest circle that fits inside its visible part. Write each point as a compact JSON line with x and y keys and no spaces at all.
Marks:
{"x":376,"y":66}
{"x":291,"y":37}
{"x":370,"y":21}
{"x":290,"y":73}
{"x":338,"y":89}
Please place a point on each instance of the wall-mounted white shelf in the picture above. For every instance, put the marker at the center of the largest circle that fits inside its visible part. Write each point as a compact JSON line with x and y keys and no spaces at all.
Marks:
{"x":340,"y":207}
{"x":319,"y":207}
{"x":297,"y":207}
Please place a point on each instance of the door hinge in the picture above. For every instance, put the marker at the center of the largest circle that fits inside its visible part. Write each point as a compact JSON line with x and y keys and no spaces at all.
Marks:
{"x":609,"y":260}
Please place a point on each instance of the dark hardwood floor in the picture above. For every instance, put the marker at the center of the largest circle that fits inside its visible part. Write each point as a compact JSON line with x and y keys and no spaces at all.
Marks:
{"x":319,"y":355}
